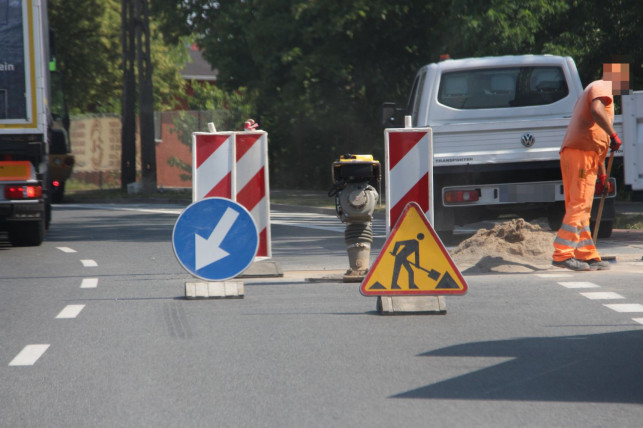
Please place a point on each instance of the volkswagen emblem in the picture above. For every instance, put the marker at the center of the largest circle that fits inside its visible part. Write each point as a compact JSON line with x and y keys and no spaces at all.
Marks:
{"x":528,"y":140}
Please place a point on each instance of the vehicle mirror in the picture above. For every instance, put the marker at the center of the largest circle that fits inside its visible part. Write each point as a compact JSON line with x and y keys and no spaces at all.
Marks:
{"x":389,"y":115}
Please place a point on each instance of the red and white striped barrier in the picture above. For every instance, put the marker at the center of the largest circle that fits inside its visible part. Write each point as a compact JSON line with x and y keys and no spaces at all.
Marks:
{"x":212,"y":165}
{"x":252,"y":186}
{"x":409,"y":171}
{"x":234,"y":165}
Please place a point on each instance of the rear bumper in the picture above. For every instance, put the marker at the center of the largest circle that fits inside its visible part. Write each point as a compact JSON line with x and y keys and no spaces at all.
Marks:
{"x":22,"y":210}
{"x":513,"y":193}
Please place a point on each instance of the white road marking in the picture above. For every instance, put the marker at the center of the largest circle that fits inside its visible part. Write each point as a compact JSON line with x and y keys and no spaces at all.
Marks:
{"x":66,"y":250}
{"x":173,"y":211}
{"x":148,"y":210}
{"x":319,"y":221}
{"x":579,"y":284}
{"x":602,"y":295}
{"x":89,"y":283}
{"x":626,"y":307}
{"x":29,"y":355}
{"x":89,"y":263}
{"x":70,"y":311}
{"x":638,"y":320}
{"x":338,"y":228}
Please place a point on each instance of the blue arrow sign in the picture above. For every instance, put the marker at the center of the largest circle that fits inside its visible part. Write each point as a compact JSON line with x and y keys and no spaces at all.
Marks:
{"x":215,"y":239}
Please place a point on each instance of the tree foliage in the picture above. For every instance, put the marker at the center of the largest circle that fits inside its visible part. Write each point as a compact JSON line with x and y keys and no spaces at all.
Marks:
{"x":319,"y":69}
{"x":322,"y":68}
{"x":87,"y":51}
{"x":88,"y":54}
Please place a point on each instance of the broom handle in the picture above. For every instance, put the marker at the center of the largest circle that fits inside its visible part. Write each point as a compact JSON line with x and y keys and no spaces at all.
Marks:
{"x":599,"y":214}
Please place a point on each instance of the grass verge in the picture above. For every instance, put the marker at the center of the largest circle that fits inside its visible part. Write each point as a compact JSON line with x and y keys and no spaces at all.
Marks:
{"x":628,"y":221}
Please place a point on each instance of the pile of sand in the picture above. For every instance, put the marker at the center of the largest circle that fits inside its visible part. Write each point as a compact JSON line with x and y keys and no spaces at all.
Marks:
{"x":513,"y":246}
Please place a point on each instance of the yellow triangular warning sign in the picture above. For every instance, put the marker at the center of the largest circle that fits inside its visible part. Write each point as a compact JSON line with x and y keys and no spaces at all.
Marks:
{"x":413,"y":261}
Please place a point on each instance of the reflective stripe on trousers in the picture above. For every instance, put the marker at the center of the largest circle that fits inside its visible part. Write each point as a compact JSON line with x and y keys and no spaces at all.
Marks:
{"x":574,"y":238}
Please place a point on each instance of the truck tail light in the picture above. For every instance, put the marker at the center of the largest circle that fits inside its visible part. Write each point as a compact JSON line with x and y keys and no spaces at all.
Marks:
{"x":463,"y":196}
{"x":611,"y":189}
{"x":23,"y":192}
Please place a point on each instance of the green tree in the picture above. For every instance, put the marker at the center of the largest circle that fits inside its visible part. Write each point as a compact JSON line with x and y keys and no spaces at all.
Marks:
{"x":501,"y":27}
{"x":322,"y":68}
{"x":208,"y":103}
{"x":594,"y":32}
{"x":88,"y":53}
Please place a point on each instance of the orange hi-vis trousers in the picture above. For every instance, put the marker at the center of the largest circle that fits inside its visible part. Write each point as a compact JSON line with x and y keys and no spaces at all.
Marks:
{"x":574,"y":238}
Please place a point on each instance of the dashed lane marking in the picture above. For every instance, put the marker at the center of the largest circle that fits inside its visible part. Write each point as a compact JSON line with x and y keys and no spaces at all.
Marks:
{"x":89,"y":283}
{"x":626,"y":307}
{"x":29,"y":355}
{"x":607,"y":295}
{"x":554,"y":275}
{"x":89,"y":263}
{"x":579,"y":284}
{"x":67,"y":250}
{"x":70,"y":311}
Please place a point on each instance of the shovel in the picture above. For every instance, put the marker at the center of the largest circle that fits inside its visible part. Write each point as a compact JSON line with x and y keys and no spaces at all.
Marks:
{"x":599,"y":213}
{"x":433,"y":274}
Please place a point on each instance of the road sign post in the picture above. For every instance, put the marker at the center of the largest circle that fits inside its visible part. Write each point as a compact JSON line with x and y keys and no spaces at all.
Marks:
{"x":215,"y":239}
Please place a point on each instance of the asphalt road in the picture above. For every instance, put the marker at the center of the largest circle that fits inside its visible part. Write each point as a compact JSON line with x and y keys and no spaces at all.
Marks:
{"x":95,"y":331}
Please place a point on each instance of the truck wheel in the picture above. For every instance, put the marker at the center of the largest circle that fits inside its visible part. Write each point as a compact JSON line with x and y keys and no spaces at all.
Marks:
{"x":604,"y":230}
{"x":555,"y":216}
{"x":27,"y":233}
{"x":554,"y":222}
{"x":446,"y":236}
{"x":58,"y":193}
{"x":47,"y":216}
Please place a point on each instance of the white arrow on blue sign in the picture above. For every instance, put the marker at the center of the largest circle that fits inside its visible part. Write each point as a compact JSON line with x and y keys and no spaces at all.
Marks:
{"x":215,"y":239}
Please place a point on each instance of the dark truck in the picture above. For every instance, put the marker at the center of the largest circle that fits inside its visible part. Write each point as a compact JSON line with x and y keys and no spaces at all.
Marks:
{"x":25,"y":121}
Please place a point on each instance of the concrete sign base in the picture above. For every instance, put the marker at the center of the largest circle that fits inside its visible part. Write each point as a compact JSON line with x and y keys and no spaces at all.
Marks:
{"x":263,"y":269}
{"x":407,"y":305}
{"x":214,"y":290}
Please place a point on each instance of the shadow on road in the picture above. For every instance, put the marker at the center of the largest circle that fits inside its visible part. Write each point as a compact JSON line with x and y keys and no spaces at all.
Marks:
{"x":599,"y":368}
{"x":113,"y":226}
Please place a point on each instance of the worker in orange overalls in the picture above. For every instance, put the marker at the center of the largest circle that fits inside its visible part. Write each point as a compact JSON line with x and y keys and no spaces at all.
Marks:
{"x":582,"y":161}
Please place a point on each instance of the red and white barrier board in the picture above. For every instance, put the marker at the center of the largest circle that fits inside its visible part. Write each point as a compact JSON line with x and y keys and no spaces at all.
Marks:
{"x":409,"y":171}
{"x":212,"y":165}
{"x":234,"y":165}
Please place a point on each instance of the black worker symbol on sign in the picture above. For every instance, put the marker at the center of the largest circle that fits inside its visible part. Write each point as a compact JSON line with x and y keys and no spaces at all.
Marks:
{"x":402,"y":251}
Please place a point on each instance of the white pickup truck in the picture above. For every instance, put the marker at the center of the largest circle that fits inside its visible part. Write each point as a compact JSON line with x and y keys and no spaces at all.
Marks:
{"x":498,"y":123}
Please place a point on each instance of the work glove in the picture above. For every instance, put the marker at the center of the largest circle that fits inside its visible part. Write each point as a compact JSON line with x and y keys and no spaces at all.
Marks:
{"x":601,"y":184}
{"x":250,"y":125}
{"x":615,"y":142}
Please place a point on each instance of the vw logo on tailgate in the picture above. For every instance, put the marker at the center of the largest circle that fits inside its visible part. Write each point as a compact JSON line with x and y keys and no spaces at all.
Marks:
{"x":527,"y":139}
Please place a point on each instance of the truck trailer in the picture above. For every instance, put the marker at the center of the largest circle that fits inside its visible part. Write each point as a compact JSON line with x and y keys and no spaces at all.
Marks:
{"x":25,"y":121}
